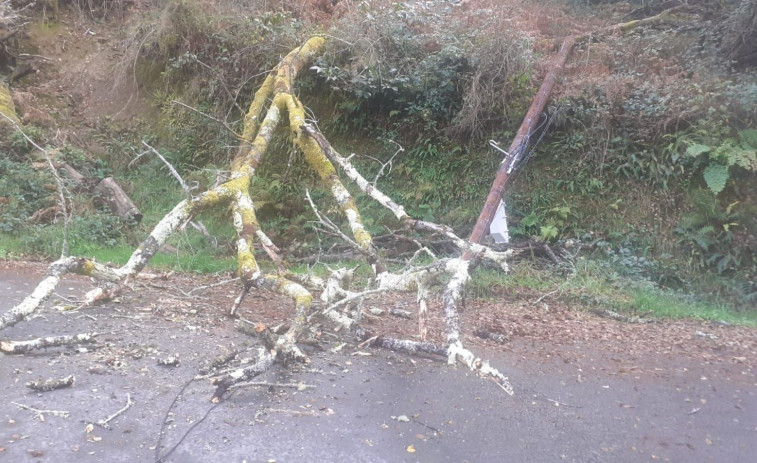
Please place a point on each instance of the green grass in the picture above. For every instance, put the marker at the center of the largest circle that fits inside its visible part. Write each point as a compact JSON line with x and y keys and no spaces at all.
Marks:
{"x":665,"y":305}
{"x":594,"y":285}
{"x":488,"y":283}
{"x":10,"y":249}
{"x":201,"y":260}
{"x":106,"y":239}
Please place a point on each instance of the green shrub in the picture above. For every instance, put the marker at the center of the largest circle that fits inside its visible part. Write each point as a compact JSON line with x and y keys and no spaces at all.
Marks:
{"x":421,"y":70}
{"x":724,"y":155}
{"x":717,"y":237}
{"x":25,"y":191}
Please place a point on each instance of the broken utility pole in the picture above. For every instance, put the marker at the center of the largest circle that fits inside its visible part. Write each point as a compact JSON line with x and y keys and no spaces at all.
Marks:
{"x":520,"y":142}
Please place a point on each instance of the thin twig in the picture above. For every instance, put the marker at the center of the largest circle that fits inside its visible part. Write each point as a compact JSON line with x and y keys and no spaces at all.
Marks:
{"x":40,"y":413}
{"x":389,"y":163}
{"x":214,"y":119}
{"x":27,"y":55}
{"x":104,"y":423}
{"x":187,"y":191}
{"x":171,"y":168}
{"x":331,"y":227}
{"x":545,"y":296}
{"x":213,"y":285}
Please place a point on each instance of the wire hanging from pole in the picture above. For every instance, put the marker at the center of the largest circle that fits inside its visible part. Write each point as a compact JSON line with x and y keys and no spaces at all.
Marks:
{"x":517,"y":158}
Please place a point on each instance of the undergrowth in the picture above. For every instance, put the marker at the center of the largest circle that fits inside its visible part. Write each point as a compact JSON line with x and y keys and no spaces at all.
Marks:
{"x":649,"y":160}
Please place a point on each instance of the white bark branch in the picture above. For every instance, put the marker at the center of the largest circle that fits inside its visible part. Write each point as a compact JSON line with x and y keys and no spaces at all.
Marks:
{"x":121,"y":411}
{"x":40,"y":294}
{"x":264,"y":363}
{"x":41,"y":413}
{"x":20,"y":347}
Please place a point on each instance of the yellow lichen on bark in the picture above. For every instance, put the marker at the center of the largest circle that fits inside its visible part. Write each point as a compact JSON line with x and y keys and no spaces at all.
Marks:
{"x":252,"y":119}
{"x":247,"y":266}
{"x":301,"y":296}
{"x":317,"y":159}
{"x":6,"y":104}
{"x":206,"y":200}
{"x":87,"y":267}
{"x":239,"y":184}
{"x":251,"y":154}
{"x":246,"y":224}
{"x":293,"y":63}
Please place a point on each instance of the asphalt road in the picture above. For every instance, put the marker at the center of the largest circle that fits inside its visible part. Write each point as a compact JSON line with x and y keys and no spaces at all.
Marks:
{"x":382,"y":407}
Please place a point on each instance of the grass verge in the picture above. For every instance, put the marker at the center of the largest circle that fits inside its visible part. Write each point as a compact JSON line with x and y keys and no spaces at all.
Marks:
{"x":595,"y":285}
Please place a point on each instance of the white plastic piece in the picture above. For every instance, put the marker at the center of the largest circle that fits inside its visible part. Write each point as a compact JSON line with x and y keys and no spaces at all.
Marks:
{"x":498,"y":228}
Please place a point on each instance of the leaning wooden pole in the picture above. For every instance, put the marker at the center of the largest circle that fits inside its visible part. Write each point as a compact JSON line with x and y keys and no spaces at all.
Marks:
{"x":520,"y":142}
{"x":519,"y":145}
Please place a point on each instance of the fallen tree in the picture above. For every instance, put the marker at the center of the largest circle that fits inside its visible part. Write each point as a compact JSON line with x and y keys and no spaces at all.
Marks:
{"x":275,"y":104}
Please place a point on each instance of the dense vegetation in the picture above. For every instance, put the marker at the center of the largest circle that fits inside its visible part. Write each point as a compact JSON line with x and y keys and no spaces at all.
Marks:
{"x":647,"y":156}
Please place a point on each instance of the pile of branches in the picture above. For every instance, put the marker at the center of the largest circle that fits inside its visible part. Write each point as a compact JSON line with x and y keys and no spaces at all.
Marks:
{"x":275,"y":104}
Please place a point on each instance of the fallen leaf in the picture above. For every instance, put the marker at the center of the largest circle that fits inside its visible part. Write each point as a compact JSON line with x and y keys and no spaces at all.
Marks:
{"x":410,"y":449}
{"x":89,"y":428}
{"x":35,"y":453}
{"x":403,"y":419}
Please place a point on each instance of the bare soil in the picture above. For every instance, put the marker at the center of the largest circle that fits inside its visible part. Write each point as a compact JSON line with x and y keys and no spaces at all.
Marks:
{"x":586,"y":388}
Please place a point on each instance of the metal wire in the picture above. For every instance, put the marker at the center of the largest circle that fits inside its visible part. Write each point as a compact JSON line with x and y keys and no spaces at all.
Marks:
{"x":515,"y":159}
